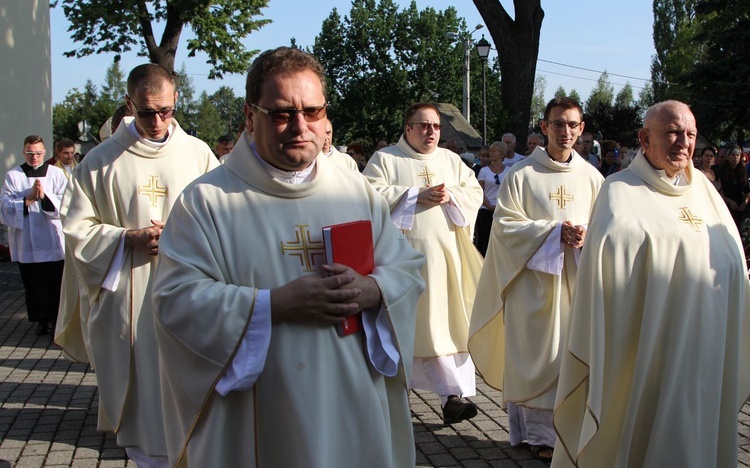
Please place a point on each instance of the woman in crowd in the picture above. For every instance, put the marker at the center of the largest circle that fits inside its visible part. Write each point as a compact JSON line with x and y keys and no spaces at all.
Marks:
{"x":490,"y":177}
{"x":734,"y":186}
{"x":707,"y":162}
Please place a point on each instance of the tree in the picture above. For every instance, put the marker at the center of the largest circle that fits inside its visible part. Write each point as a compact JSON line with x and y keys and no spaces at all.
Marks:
{"x":674,"y":27}
{"x":209,"y":125}
{"x":230,"y":108}
{"x":603,"y":93}
{"x":575,"y":96}
{"x":538,"y":103}
{"x":379,"y":60}
{"x":114,"y":87}
{"x":79,"y":106}
{"x":186,"y":112}
{"x":517,"y":42}
{"x":115,"y":26}
{"x":625,"y":97}
{"x":560,"y":92}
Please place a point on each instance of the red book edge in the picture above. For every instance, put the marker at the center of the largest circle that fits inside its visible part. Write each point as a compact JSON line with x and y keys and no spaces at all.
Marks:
{"x":350,"y":244}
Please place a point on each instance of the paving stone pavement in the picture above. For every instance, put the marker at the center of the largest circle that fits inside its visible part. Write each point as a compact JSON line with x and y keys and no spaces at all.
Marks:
{"x":48,"y":409}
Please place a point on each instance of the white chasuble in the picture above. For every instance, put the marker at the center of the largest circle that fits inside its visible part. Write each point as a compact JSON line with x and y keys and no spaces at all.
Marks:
{"x":123,"y":184}
{"x":318,"y":402}
{"x":658,"y":362}
{"x":452,"y":262}
{"x":520,"y":317}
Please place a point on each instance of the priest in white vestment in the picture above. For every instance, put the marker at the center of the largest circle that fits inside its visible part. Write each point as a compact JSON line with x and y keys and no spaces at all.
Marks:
{"x":116,"y":204}
{"x":521,"y":313}
{"x":658,"y":361}
{"x":254,"y":372}
{"x":434,"y":199}
{"x":334,"y":155}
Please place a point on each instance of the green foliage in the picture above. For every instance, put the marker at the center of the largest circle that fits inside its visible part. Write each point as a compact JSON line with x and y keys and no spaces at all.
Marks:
{"x":625,"y":97}
{"x":538,"y":103}
{"x":575,"y":96}
{"x":114,"y":87}
{"x":675,"y":25}
{"x":116,"y":26}
{"x":230,"y":109}
{"x":602,"y":93}
{"x":209,"y":124}
{"x":379,"y":60}
{"x":79,"y":106}
{"x":186,"y":113}
{"x":560,"y":92}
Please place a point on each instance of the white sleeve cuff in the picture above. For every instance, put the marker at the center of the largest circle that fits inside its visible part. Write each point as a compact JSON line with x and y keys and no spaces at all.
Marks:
{"x":250,"y":359}
{"x":455,"y":213}
{"x":549,"y":258}
{"x":112,"y":280}
{"x":403,"y":214}
{"x":381,"y":343}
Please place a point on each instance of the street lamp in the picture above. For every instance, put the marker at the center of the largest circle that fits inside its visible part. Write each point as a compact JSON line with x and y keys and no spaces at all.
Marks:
{"x":483,"y":50}
{"x":466,"y":41}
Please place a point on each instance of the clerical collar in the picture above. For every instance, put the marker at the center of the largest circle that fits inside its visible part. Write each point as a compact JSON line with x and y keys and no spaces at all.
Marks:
{"x":290,"y":177}
{"x":152,"y":143}
{"x":39,"y":171}
{"x":570,"y":158}
{"x":678,"y":181}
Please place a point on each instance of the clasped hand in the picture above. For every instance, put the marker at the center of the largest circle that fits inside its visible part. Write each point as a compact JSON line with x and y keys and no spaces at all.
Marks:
{"x":36,"y":192}
{"x":328,"y":298}
{"x":146,"y":239}
{"x":436,"y":195}
{"x":572,"y":236}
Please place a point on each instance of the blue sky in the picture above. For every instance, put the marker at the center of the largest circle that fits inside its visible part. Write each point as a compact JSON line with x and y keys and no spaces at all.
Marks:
{"x":577,"y":36}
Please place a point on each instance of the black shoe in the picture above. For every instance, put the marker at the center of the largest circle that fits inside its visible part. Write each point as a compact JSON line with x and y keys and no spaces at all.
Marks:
{"x":42,"y":328}
{"x":458,"y":409}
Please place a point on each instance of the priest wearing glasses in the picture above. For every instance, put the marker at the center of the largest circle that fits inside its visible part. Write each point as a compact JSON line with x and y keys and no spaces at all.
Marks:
{"x":117,"y":203}
{"x":255,"y":372}
{"x":434,"y":199}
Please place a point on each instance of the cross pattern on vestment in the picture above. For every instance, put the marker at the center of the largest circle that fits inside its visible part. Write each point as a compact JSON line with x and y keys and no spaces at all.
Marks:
{"x":687,"y":217}
{"x":561,"y":197}
{"x":304,"y":248}
{"x":427,"y":175}
{"x":152,"y":190}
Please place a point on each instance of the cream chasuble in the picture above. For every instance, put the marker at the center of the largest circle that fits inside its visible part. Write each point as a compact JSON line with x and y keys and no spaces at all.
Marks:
{"x":123,"y":184}
{"x":452,"y":262}
{"x":318,"y":402}
{"x":658,"y":361}
{"x":520,"y":316}
{"x":342,"y":159}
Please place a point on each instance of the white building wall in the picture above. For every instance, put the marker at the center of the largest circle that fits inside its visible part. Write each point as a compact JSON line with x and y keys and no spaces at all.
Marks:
{"x":25,"y":80}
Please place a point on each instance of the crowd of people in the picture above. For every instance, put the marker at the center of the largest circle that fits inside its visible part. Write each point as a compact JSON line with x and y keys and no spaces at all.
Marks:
{"x":607,"y":297}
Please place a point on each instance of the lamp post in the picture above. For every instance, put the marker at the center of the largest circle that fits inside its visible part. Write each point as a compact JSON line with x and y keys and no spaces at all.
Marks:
{"x":483,"y":50}
{"x":466,"y":41}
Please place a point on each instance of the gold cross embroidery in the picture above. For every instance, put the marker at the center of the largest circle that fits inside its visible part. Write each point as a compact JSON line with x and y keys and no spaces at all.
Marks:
{"x":689,"y":218}
{"x":427,"y":175}
{"x":304,"y":248}
{"x":152,"y":190}
{"x":561,"y":197}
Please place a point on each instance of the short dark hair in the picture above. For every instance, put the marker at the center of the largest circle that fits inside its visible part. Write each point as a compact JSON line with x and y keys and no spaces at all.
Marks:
{"x":149,"y":77}
{"x":282,"y":60}
{"x":224,"y":139}
{"x":32,"y":139}
{"x":565,"y":103}
{"x":117,"y":117}
{"x":356,"y":147}
{"x":416,"y":107}
{"x":64,"y":143}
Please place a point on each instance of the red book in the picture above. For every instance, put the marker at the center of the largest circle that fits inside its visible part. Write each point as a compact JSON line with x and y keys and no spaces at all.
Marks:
{"x":350,"y":244}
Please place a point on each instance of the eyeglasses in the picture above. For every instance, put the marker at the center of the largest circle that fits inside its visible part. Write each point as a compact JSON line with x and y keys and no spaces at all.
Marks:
{"x":559,"y":124}
{"x":150,"y":113}
{"x":497,"y":179}
{"x":424,"y":126}
{"x":34,"y":153}
{"x":280,"y":116}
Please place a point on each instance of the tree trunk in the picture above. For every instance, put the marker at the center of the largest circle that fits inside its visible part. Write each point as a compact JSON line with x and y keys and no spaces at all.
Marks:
{"x":517,"y":43}
{"x":163,"y":53}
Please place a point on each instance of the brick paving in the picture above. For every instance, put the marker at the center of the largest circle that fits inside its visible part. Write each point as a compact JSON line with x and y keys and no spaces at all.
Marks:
{"x":48,"y":409}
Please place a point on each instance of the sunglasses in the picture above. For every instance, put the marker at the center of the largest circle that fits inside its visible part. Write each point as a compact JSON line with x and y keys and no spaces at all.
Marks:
{"x":281,"y":116}
{"x":150,"y":113}
{"x":497,"y":179}
{"x":424,"y":126}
